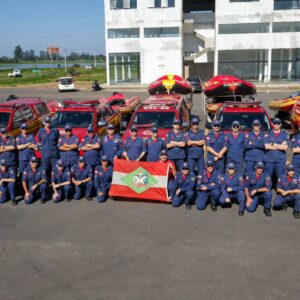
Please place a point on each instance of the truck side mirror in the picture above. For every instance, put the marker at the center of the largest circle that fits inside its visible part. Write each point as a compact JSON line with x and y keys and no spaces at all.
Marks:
{"x":124,"y":125}
{"x":208,"y":125}
{"x":185,"y":124}
{"x":102,"y":123}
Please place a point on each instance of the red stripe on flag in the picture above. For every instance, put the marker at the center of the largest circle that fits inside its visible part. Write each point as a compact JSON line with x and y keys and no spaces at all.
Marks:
{"x":155,"y":194}
{"x":154,"y":168}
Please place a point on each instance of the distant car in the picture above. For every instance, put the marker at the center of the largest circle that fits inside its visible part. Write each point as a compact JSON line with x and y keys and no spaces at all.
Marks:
{"x":245,"y":113}
{"x":15,"y":73}
{"x":196,"y":83}
{"x":65,"y":84}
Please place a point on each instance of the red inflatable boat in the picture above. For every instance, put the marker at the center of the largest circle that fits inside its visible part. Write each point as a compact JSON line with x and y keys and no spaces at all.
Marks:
{"x":170,"y":84}
{"x":228,"y":85}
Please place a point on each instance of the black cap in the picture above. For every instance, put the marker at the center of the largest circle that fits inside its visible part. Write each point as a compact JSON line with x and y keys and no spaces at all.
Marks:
{"x":259,"y":165}
{"x":33,"y":159}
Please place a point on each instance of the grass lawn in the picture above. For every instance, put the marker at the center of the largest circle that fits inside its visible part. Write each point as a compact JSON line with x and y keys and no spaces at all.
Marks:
{"x":48,"y":76}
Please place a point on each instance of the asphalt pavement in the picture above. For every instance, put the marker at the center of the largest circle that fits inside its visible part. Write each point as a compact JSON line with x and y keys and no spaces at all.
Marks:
{"x":140,"y":250}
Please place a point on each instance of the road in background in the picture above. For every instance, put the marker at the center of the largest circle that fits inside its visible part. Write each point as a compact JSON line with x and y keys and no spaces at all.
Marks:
{"x":140,"y":250}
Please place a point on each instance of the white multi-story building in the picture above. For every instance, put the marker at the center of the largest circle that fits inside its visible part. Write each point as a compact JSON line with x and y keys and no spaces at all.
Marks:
{"x":252,"y":39}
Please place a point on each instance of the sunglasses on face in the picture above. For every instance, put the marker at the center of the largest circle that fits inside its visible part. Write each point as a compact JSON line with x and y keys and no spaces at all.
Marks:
{"x":110,"y":128}
{"x":216,"y":125}
{"x":235,"y":126}
{"x":60,"y":166}
{"x":195,"y":124}
{"x":68,"y":130}
{"x":277,"y":123}
{"x":133,"y":130}
{"x":256,"y":125}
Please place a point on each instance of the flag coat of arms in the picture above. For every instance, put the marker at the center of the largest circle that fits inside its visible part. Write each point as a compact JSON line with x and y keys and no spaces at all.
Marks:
{"x":140,"y":180}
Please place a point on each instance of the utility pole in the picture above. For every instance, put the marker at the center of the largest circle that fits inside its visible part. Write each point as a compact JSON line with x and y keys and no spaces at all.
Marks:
{"x":95,"y":59}
{"x":65,"y":60}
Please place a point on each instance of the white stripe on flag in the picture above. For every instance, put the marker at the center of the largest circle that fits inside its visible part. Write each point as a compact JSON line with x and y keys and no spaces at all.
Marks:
{"x":162,"y":181}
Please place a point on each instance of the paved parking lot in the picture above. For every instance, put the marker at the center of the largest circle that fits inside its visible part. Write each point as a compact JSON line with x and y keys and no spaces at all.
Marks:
{"x":128,"y":250}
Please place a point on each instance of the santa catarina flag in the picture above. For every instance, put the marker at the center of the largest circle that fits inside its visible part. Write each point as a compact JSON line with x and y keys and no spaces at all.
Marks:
{"x":139,"y":180}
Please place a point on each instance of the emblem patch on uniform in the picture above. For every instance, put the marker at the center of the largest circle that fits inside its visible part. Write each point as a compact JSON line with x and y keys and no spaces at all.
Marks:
{"x":140,"y":180}
{"x":241,"y":179}
{"x":193,"y":178}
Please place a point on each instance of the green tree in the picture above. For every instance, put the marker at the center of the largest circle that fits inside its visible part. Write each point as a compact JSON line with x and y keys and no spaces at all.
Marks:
{"x":18,"y":53}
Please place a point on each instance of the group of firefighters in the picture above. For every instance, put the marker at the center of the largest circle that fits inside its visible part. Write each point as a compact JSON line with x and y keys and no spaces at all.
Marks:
{"x":239,"y":166}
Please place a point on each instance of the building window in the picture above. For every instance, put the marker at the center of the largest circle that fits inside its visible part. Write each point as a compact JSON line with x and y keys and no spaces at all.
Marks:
{"x":123,"y":33}
{"x":162,"y":3}
{"x":161,"y":32}
{"x":285,"y":64}
{"x":243,"y":28}
{"x":286,"y":4}
{"x":286,"y":27}
{"x":121,"y":4}
{"x":124,"y":67}
{"x":198,"y":6}
{"x":245,"y":64}
{"x":243,"y":0}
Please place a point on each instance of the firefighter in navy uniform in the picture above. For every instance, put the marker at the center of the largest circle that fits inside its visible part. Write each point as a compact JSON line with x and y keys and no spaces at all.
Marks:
{"x":134,"y":147}
{"x":34,"y":182}
{"x":235,"y":145}
{"x":288,"y":191}
{"x":195,"y":140}
{"x":208,"y":187}
{"x":182,"y":191}
{"x":254,"y":147}
{"x":91,"y":145}
{"x":7,"y":183}
{"x":82,"y":178}
{"x":102,"y":179}
{"x":276,"y":144}
{"x":61,"y":182}
{"x":8,"y":150}
{"x":154,"y":146}
{"x":258,"y":186}
{"x":296,"y":152}
{"x":47,"y":138}
{"x":26,"y":145}
{"x":175,"y":143}
{"x":216,"y":145}
{"x":232,"y":187}
{"x":68,"y":145}
{"x":112,"y":146}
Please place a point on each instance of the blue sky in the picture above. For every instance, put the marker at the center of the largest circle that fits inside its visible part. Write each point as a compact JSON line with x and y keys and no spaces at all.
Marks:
{"x":77,"y":26}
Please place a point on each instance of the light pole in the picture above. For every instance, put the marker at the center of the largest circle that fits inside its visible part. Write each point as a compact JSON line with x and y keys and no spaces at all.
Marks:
{"x":65,"y":60}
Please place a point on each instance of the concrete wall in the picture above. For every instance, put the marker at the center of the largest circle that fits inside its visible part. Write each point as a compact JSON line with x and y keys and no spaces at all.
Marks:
{"x":158,"y":55}
{"x":255,"y":12}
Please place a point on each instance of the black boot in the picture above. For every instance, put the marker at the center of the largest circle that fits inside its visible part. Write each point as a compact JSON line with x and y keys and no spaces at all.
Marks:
{"x":296,"y":214}
{"x":241,"y":213}
{"x":267,"y":212}
{"x":14,"y":202}
{"x":188,"y":206}
{"x":213,"y":207}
